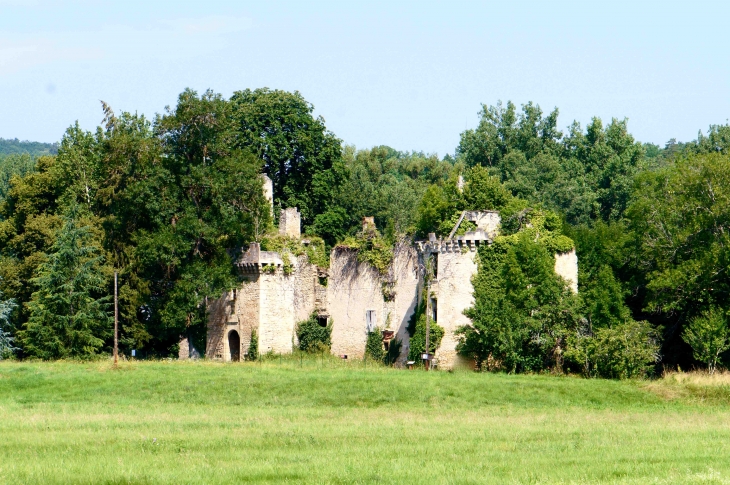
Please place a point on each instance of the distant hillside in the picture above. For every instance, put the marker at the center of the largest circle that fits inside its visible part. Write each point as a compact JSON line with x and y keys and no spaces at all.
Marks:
{"x":32,"y":148}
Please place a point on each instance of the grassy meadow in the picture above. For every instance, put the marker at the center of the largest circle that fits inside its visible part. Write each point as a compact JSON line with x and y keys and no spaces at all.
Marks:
{"x":325,"y":421}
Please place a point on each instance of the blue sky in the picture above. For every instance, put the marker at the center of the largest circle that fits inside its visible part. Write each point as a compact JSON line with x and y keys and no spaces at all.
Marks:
{"x":411,"y":75}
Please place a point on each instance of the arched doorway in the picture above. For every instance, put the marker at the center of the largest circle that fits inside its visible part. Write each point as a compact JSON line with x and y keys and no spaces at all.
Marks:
{"x":234,"y":345}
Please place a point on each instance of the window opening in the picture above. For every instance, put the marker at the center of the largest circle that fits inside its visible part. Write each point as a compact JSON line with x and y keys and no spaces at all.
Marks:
{"x":370,"y":320}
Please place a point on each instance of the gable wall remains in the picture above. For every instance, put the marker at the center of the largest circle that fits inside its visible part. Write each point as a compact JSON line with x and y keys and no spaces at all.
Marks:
{"x":357,"y":287}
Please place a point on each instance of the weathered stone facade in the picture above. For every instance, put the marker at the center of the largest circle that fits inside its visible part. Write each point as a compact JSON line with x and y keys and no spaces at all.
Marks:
{"x":452,"y":292}
{"x":566,"y":266}
{"x":290,"y":223}
{"x":280,"y":290}
{"x":270,"y":301}
{"x":360,"y":299}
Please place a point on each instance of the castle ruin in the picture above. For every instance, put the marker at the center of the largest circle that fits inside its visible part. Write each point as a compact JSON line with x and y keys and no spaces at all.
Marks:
{"x":278,"y":290}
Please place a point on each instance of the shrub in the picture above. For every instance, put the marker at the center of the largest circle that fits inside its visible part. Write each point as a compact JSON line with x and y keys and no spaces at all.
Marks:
{"x":315,"y":250}
{"x":627,"y":350}
{"x":418,"y":339}
{"x":708,"y":335}
{"x":312,"y":336}
{"x":288,"y":267}
{"x":253,"y":348}
{"x":374,"y":346}
{"x":393,"y":351}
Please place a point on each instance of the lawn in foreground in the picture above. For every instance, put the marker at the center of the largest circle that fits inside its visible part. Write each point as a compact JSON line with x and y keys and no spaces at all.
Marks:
{"x":309,"y":422}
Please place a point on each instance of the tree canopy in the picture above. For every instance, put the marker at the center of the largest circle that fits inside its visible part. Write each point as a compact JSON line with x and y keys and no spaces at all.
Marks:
{"x":167,"y":201}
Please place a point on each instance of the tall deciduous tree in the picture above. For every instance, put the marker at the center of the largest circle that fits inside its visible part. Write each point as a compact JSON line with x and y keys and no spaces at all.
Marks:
{"x":28,"y":229}
{"x":205,"y":197}
{"x":587,"y":176}
{"x":709,"y":336}
{"x":301,"y":156}
{"x":680,"y":218}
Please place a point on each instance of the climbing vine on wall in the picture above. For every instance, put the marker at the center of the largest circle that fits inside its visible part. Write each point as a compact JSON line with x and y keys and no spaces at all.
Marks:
{"x":372,"y":248}
{"x":312,"y":246}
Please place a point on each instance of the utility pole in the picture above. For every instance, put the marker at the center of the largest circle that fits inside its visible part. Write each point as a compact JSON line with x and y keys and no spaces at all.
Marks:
{"x":427,"y":350}
{"x":116,"y":323}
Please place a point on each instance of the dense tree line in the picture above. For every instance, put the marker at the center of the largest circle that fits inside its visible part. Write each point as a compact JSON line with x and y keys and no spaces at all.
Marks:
{"x":166,"y":203}
{"x":32,"y":148}
{"x":649,"y":227}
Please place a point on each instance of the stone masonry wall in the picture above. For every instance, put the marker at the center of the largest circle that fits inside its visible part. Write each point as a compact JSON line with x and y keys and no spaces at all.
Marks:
{"x":290,"y":223}
{"x":566,"y":266}
{"x":269,"y":303}
{"x":354,"y":288}
{"x":217,"y":317}
{"x":407,"y":288}
{"x":454,"y":294}
{"x":285,"y":300}
{"x":247,"y":309}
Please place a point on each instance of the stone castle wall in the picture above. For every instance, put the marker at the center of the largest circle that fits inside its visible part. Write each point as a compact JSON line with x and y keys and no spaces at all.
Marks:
{"x":290,"y":223}
{"x":355,"y":288}
{"x":566,"y":266}
{"x":285,"y":300}
{"x":454,"y":294}
{"x":272,"y":300}
{"x":269,"y":302}
{"x":407,"y":288}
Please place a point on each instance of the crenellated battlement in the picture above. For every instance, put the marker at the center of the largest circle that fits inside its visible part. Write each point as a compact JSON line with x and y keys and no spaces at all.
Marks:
{"x":254,"y":260}
{"x":468,"y":242}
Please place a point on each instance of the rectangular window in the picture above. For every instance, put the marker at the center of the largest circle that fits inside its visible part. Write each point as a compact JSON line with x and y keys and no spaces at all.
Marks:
{"x":370,"y":320}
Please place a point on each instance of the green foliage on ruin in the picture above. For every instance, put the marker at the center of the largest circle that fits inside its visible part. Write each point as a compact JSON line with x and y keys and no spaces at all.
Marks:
{"x":375,"y":350}
{"x":287,"y":265}
{"x":312,"y":336}
{"x":371,"y":247}
{"x":541,"y":226}
{"x":311,"y":246}
{"x":417,"y":344}
{"x":523,"y":311}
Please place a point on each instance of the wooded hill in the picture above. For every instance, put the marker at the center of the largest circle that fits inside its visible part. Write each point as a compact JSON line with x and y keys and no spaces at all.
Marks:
{"x":161,"y":201}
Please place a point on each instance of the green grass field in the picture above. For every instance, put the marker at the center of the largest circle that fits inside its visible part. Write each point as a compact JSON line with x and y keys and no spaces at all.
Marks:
{"x":330,"y":422}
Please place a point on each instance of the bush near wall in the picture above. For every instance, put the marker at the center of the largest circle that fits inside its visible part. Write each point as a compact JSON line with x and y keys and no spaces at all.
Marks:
{"x":312,"y":336}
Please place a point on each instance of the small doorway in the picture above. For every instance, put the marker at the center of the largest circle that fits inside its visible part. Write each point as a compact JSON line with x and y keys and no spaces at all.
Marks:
{"x":234,"y":345}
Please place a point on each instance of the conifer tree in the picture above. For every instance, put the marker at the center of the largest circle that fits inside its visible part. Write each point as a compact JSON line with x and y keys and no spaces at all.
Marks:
{"x":69,"y":314}
{"x":6,"y":339}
